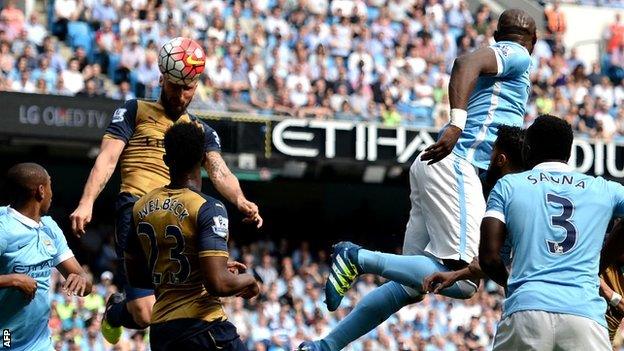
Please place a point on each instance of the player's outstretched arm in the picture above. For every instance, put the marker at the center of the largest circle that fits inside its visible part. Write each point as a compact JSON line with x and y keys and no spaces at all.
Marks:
{"x":227,"y":185}
{"x":442,"y":280}
{"x":102,"y":170}
{"x":221,"y":281}
{"x":466,"y":71}
{"x":493,"y":234}
{"x":77,"y":281}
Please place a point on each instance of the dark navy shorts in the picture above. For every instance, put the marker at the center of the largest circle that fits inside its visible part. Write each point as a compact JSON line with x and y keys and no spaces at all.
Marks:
{"x":123,"y":226}
{"x":195,"y":334}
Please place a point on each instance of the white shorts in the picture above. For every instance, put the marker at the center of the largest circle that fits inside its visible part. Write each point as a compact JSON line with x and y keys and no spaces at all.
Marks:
{"x":545,"y":331}
{"x":447,"y":209}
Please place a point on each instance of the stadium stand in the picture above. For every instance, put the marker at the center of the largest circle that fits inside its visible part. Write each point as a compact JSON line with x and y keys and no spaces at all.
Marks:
{"x":385,"y":61}
{"x":374,"y":60}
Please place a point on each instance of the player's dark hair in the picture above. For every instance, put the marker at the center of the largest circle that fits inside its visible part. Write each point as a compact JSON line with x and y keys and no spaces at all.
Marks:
{"x":518,"y":26}
{"x":184,"y":147}
{"x":510,"y":140}
{"x":549,"y":138}
{"x":22,"y":182}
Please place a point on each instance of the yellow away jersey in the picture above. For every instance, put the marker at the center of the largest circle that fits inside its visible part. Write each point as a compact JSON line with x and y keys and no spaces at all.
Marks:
{"x":174,"y":228}
{"x":614,"y":278}
{"x":142,"y":125}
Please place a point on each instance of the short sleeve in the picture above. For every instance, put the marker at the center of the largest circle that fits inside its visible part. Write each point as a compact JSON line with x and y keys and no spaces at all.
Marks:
{"x":123,"y":122}
{"x":63,"y":252}
{"x":211,"y":141}
{"x":617,"y":194}
{"x":497,"y":201}
{"x":512,"y":61}
{"x":212,"y":229}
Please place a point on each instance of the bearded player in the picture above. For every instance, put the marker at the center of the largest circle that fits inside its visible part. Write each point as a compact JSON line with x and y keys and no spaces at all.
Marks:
{"x":135,"y":138}
{"x":488,"y":88}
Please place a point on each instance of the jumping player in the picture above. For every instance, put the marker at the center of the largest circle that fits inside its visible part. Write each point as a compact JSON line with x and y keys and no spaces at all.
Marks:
{"x":410,"y":271}
{"x":555,"y":220}
{"x":180,"y":247}
{"x":489,"y":88}
{"x":135,"y":135}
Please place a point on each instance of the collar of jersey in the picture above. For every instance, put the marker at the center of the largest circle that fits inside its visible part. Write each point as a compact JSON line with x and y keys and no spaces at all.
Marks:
{"x":554,"y":166}
{"x":23,"y":219}
{"x":514,"y":43}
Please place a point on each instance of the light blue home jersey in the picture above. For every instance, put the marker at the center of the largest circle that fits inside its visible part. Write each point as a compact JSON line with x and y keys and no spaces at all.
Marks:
{"x":556,"y":222}
{"x":496,"y":101}
{"x":28,"y":247}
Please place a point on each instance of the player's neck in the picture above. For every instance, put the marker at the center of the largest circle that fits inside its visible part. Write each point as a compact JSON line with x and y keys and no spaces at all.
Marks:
{"x":183,"y":181}
{"x":30,"y":210}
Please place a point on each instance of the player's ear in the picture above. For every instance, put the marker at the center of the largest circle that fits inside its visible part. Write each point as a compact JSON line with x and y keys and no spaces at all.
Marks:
{"x":501,"y":160}
{"x":161,"y":81}
{"x":40,"y":192}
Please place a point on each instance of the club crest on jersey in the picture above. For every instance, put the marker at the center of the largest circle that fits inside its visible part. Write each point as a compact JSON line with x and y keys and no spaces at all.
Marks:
{"x":220,"y":226}
{"x":47,"y":243}
{"x":118,"y":115}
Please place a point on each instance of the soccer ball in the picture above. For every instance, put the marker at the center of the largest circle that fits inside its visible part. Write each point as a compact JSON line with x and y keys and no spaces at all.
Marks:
{"x":181,"y":61}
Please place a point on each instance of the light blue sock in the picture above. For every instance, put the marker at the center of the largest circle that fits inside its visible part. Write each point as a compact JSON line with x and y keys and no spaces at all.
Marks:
{"x":410,"y":271}
{"x":372,"y":310}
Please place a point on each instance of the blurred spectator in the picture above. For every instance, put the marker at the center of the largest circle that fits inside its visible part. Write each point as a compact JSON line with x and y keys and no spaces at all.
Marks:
{"x":555,"y":19}
{"x":615,"y":34}
{"x":45,"y":72}
{"x":36,"y":32}
{"x":72,"y":77}
{"x":104,"y":11}
{"x":123,"y":93}
{"x":23,"y":84}
{"x":13,"y":17}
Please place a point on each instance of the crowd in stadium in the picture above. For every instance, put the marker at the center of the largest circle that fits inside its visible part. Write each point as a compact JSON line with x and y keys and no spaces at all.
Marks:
{"x":375,"y":60}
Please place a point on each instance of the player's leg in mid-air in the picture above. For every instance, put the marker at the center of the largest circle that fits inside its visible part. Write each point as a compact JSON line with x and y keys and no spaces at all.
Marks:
{"x":135,"y":310}
{"x":447,"y":190}
{"x":386,"y":300}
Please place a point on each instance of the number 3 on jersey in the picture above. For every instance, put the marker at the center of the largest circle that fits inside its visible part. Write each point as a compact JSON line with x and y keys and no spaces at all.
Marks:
{"x":562,"y":221}
{"x":160,"y":266}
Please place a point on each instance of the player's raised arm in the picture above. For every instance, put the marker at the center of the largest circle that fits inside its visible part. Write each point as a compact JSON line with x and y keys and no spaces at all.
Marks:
{"x":466,"y":70}
{"x":227,"y":185}
{"x":501,"y":61}
{"x":117,"y":135}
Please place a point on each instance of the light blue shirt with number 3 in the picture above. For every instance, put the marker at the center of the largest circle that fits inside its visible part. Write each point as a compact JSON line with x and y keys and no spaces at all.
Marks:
{"x":556,"y":222}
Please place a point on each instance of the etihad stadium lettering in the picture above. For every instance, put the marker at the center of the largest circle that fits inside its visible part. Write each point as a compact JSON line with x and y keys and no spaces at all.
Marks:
{"x":362,"y":141}
{"x":291,"y":138}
